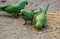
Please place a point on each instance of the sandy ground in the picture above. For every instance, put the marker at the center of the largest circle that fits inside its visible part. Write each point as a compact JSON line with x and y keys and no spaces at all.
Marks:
{"x":11,"y":28}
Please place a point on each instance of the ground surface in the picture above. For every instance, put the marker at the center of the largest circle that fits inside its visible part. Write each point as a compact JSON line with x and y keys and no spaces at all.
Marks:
{"x":11,"y":28}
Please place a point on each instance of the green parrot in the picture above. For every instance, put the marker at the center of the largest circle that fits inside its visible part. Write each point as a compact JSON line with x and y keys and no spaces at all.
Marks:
{"x":28,"y":15}
{"x":41,"y":18}
{"x":14,"y":9}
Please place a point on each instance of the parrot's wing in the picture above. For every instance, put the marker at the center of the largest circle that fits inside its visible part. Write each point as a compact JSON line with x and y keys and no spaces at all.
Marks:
{"x":12,"y":9}
{"x":13,"y":14}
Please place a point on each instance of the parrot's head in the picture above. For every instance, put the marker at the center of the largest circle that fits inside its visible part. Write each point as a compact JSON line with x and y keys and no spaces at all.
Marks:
{"x":22,"y":12}
{"x":25,"y":2}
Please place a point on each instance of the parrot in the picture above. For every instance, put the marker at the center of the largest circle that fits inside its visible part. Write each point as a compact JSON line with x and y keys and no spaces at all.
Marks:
{"x":28,"y":15}
{"x":41,"y":18}
{"x":14,"y":9}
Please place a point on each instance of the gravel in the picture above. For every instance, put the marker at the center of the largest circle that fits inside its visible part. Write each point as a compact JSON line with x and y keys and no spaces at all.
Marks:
{"x":11,"y":28}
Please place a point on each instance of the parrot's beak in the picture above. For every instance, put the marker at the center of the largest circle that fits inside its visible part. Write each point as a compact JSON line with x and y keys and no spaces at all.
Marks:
{"x":26,"y":3}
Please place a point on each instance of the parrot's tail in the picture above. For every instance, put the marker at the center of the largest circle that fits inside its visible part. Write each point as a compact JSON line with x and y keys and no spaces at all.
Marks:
{"x":2,"y":8}
{"x":47,"y":7}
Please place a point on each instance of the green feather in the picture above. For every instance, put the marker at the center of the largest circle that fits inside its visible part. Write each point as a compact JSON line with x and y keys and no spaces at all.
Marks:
{"x":41,"y":18}
{"x":28,"y":15}
{"x":15,"y":8}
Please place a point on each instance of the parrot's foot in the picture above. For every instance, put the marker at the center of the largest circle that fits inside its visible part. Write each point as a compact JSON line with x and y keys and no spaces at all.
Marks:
{"x":18,"y":15}
{"x":38,"y":28}
{"x":24,"y":23}
{"x":43,"y":26}
{"x":31,"y":23}
{"x":14,"y":17}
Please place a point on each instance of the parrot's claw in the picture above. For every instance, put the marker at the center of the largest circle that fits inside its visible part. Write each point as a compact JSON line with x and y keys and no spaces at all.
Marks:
{"x":18,"y":15}
{"x":38,"y":28}
{"x":24,"y":23}
{"x":31,"y":24}
{"x":43,"y":26}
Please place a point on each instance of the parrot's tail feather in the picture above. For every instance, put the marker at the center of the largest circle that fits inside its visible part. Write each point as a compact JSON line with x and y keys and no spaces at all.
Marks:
{"x":1,"y":8}
{"x":47,"y":7}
